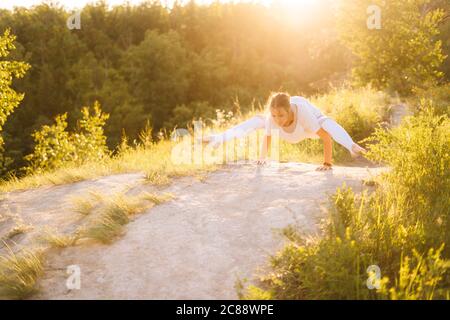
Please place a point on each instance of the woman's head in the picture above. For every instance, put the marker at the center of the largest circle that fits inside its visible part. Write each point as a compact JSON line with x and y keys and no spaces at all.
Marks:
{"x":279,"y":106}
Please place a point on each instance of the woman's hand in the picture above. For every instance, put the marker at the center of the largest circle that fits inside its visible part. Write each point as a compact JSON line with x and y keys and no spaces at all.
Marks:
{"x":261,"y":162}
{"x":325,"y":167}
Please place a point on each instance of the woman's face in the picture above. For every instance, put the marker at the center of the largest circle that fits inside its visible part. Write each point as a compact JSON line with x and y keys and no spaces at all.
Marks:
{"x":280,"y":116}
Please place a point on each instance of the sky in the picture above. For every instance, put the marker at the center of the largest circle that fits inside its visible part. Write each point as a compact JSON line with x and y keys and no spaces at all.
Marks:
{"x":71,"y":4}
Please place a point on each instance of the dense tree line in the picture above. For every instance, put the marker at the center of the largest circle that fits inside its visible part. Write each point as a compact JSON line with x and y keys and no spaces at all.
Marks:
{"x":151,"y":64}
{"x":399,"y":52}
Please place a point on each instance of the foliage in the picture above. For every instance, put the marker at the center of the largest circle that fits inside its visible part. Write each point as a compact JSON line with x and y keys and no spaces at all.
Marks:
{"x":438,"y":97}
{"x":9,"y":98}
{"x":404,"y":53}
{"x":56,"y":147}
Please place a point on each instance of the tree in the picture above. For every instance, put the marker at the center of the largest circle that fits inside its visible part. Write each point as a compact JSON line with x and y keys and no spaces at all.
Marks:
{"x":157,"y":71}
{"x":9,"y":99}
{"x":403,"y":53}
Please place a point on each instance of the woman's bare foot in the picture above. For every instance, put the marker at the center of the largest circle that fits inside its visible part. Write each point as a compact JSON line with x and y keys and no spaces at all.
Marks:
{"x":357,"y":150}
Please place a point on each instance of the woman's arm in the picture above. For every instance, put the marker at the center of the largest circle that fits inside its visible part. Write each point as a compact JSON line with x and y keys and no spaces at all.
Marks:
{"x":265,"y":147}
{"x":327,"y":148}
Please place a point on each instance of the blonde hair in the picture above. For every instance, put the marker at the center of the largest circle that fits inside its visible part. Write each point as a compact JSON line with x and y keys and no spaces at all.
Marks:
{"x":278,"y":100}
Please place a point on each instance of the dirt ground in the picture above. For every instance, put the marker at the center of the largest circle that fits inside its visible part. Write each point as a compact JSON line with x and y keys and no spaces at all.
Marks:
{"x":217,"y":230}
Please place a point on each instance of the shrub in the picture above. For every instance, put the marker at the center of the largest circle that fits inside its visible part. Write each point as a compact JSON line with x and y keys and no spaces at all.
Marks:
{"x":419,"y":276}
{"x":418,"y":153}
{"x":438,"y":96}
{"x":56,"y":147}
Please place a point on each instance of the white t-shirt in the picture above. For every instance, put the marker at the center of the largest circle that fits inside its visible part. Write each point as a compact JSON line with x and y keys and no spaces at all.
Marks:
{"x":309,"y":118}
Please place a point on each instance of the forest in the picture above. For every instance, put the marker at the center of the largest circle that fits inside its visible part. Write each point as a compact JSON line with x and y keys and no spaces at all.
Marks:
{"x":162,"y":67}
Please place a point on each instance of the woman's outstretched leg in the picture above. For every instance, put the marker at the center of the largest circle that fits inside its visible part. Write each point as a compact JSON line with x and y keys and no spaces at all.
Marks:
{"x":341,"y":136}
{"x":238,"y":131}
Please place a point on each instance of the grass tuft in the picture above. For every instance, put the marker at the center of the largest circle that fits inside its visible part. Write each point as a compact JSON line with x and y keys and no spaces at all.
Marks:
{"x":19,"y":272}
{"x":58,"y":240}
{"x":16,"y":230}
{"x":155,"y":198}
{"x":115,"y":212}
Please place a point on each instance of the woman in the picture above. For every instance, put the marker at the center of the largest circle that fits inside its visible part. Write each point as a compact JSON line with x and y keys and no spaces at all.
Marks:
{"x":296,"y":119}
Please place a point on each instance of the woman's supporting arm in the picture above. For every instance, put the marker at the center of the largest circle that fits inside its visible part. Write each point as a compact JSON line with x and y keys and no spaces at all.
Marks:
{"x":265,"y":147}
{"x":327,"y":147}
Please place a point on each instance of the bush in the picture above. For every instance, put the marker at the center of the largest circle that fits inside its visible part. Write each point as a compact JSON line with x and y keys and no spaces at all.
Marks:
{"x":405,"y":54}
{"x":438,"y":96}
{"x":419,"y":276}
{"x":418,"y":153}
{"x":56,"y":147}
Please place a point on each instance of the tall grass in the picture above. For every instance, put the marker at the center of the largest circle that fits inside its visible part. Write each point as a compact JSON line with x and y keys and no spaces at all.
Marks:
{"x":19,"y":272}
{"x":56,"y":240}
{"x":402,"y":227}
{"x":153,"y":160}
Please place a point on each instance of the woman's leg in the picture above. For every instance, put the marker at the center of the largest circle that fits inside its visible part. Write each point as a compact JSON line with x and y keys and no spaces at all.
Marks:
{"x":338,"y":134}
{"x":238,"y":131}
